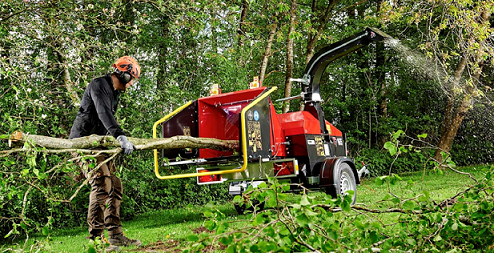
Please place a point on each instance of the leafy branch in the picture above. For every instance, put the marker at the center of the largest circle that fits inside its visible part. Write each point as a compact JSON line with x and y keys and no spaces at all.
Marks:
{"x":49,"y":162}
{"x":322,"y":224}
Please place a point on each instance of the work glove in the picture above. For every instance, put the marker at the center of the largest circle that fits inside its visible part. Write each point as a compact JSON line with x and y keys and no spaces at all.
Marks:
{"x":125,"y":144}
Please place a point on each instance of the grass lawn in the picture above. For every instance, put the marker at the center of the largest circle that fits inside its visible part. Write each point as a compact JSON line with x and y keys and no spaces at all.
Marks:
{"x":162,"y":231}
{"x":440,"y":186}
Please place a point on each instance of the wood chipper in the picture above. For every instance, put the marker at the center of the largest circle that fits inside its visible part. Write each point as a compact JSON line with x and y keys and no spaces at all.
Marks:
{"x":300,"y":147}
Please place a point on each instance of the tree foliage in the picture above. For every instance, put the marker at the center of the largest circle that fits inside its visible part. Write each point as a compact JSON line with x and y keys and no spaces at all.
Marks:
{"x":456,"y":37}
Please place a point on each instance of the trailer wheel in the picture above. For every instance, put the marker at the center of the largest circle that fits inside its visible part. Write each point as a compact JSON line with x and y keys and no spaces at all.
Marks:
{"x":240,"y":208}
{"x":345,"y":181}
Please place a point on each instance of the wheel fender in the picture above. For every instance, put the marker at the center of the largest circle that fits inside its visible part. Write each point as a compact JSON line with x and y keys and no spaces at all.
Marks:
{"x":331,"y":167}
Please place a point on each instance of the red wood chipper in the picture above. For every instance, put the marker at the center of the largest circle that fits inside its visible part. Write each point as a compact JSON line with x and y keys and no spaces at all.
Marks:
{"x":300,"y":147}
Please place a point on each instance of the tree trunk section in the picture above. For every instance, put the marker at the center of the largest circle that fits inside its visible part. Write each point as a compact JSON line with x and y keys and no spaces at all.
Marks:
{"x":453,"y":117}
{"x":289,"y":56}
{"x":380,"y":63}
{"x":451,"y":127}
{"x":99,"y":141}
{"x":267,"y":52}
{"x":76,"y":101}
{"x":320,"y":24}
{"x":241,"y":26}
{"x":381,"y":82}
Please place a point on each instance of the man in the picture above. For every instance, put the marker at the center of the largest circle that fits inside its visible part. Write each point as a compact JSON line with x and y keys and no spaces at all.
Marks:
{"x":96,"y":116}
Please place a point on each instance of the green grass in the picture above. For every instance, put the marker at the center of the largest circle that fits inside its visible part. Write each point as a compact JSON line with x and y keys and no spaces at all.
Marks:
{"x":173,"y":225}
{"x":163,"y":225}
{"x":440,"y":185}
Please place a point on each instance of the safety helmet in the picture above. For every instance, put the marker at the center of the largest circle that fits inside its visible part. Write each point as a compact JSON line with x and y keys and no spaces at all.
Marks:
{"x":126,"y":68}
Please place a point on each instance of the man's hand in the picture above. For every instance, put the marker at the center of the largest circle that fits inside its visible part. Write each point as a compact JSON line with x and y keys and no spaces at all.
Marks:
{"x":125,"y":144}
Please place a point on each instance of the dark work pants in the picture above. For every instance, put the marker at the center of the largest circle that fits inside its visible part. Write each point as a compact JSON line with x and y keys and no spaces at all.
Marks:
{"x":104,"y":199}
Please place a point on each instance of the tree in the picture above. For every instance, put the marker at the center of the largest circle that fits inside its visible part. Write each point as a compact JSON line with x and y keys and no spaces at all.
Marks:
{"x":455,"y":37}
{"x":289,"y":53}
{"x":241,"y":26}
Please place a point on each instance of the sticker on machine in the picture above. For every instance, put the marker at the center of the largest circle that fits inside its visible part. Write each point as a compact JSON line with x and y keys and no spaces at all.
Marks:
{"x":256,"y":115}
{"x":250,"y":115}
{"x":340,"y":141}
{"x":319,"y":146}
{"x":254,"y":136}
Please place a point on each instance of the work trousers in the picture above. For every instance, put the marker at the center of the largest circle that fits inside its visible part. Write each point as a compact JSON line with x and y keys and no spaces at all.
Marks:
{"x":104,"y":199}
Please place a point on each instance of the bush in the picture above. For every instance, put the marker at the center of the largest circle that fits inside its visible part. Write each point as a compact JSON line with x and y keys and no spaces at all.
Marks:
{"x":379,"y":161}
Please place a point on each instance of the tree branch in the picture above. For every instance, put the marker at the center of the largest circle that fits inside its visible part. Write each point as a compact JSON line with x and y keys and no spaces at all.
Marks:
{"x":83,"y":144}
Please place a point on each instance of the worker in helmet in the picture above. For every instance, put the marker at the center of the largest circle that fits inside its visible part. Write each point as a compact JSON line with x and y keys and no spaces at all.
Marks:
{"x":96,"y":116}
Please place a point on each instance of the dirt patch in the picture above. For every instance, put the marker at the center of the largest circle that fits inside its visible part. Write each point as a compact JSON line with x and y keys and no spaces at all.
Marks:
{"x":200,"y":230}
{"x":171,"y":245}
{"x":210,"y":248}
{"x":160,"y":246}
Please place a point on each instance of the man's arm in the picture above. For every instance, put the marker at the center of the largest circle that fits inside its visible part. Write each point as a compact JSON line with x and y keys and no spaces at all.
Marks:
{"x":102,"y":97}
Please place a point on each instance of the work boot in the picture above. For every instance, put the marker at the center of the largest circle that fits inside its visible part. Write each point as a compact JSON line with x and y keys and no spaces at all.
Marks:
{"x":93,"y":237}
{"x":122,"y":240}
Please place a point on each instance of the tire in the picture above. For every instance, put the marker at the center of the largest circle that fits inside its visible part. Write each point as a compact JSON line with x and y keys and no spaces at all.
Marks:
{"x":241,"y":208}
{"x":345,"y":181}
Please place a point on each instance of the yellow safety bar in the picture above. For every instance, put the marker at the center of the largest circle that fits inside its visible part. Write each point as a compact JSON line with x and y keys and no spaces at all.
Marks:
{"x":197,"y":174}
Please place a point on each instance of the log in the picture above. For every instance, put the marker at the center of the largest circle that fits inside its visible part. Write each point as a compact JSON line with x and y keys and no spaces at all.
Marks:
{"x":98,"y":141}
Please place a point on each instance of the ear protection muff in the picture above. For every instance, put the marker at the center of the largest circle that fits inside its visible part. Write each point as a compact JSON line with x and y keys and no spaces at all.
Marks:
{"x":125,"y":78}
